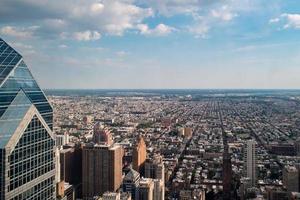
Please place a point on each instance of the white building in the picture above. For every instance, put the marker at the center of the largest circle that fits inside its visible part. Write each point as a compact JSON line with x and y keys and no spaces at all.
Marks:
{"x":250,"y":161}
{"x":111,"y":196}
{"x":159,"y":190}
{"x":62,"y":139}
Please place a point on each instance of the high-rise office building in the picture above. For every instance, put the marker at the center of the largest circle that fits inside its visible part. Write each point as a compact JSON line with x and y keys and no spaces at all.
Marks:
{"x":159,"y":189}
{"x":66,"y":164}
{"x":297,"y":147}
{"x":65,"y":191}
{"x":145,"y":189}
{"x":154,"y":168}
{"x":227,"y":174}
{"x":250,"y":161}
{"x":290,"y":178}
{"x":71,"y":164}
{"x":62,"y":139}
{"x":111,"y":196}
{"x":131,"y":182}
{"x":139,"y":155}
{"x":27,"y":163}
{"x":101,"y":169}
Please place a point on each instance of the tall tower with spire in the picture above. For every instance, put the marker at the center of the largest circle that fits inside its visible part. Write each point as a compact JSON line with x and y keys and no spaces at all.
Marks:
{"x":139,"y":154}
{"x":27,"y":163}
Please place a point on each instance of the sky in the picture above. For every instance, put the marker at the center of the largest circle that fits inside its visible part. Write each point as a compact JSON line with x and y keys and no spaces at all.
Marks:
{"x":118,"y":44}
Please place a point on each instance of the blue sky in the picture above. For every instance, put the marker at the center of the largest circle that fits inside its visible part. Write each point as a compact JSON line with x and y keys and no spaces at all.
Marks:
{"x":156,"y":43}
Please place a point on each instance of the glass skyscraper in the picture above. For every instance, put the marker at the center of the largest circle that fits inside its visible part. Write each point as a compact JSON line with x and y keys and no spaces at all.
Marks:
{"x":27,"y":162}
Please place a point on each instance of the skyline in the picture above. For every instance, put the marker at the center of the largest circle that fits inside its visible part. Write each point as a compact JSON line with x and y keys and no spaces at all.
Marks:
{"x":145,"y":144}
{"x":137,"y":44}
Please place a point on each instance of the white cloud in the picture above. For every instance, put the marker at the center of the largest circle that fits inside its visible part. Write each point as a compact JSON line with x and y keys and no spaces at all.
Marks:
{"x":292,"y":20}
{"x":159,"y":30}
{"x":200,"y":27}
{"x":56,"y":17}
{"x":17,"y":31}
{"x":120,"y":16}
{"x":21,"y":45}
{"x":163,"y":29}
{"x":87,"y":35}
{"x":173,"y":7}
{"x":63,"y":46}
{"x":199,"y":30}
{"x":97,"y":7}
{"x":287,"y":20}
{"x":223,"y":13}
{"x":214,"y":17}
{"x":143,"y":28}
{"x":24,"y":49}
{"x":116,"y":17}
{"x":274,"y":20}
{"x":55,"y":23}
{"x":121,"y":53}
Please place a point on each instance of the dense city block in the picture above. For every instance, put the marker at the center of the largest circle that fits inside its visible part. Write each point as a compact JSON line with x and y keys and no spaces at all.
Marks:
{"x":181,"y":144}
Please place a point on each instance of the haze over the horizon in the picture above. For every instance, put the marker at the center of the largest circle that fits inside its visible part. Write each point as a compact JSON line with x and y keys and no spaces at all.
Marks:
{"x":157,"y":44}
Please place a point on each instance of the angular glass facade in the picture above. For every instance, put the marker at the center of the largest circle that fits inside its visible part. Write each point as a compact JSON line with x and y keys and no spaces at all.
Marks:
{"x":27,"y":163}
{"x":15,"y":75}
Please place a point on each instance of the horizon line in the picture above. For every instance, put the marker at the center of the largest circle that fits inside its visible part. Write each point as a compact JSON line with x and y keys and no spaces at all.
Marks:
{"x":171,"y":89}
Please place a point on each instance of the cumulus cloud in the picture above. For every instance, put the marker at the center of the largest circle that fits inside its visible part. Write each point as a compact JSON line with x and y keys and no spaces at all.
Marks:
{"x":212,"y":18}
{"x":97,"y":7}
{"x":200,"y":30}
{"x":116,"y":17}
{"x":55,"y":17}
{"x":292,"y":20}
{"x":24,"y":49}
{"x":287,"y":20}
{"x":223,"y":13}
{"x":87,"y":35}
{"x":63,"y":46}
{"x":17,"y":31}
{"x":274,"y":20}
{"x":159,"y":30}
{"x":21,"y":45}
{"x":124,"y":16}
{"x":173,"y":7}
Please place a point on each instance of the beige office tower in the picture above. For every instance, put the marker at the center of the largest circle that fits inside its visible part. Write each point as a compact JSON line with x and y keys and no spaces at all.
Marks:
{"x":250,"y":162}
{"x":139,"y":155}
{"x":57,"y":166}
{"x":101,"y":169}
{"x":290,"y":179}
{"x":159,"y":190}
{"x":145,"y":189}
{"x":111,"y":196}
{"x":154,"y":168}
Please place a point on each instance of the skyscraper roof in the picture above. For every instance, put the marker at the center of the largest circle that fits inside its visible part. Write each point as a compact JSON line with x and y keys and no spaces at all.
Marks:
{"x":8,"y":60}
{"x":14,"y":76}
{"x":131,"y":175}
